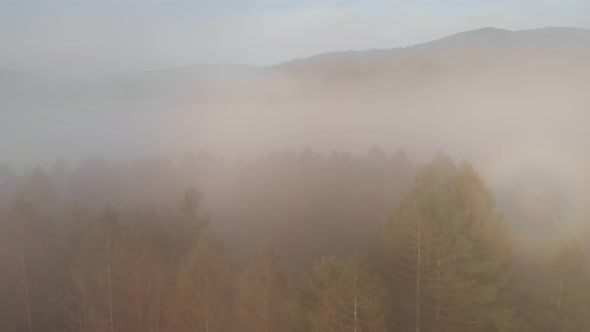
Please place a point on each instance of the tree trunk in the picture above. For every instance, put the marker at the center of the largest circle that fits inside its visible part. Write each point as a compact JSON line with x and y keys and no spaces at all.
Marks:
{"x":355,"y":302}
{"x":110,"y":285}
{"x":266,"y":281}
{"x":559,"y":299}
{"x":418,"y":281}
{"x":158,"y":308}
{"x":139,"y":297}
{"x":437,"y":311}
{"x":23,"y":264}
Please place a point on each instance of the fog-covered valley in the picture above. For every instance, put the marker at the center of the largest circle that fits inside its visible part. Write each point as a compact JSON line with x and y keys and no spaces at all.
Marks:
{"x":188,"y":175}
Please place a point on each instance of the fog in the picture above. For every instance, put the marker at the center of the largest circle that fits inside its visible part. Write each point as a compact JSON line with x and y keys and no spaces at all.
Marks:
{"x":506,"y":85}
{"x":513,"y":103}
{"x":284,"y":154}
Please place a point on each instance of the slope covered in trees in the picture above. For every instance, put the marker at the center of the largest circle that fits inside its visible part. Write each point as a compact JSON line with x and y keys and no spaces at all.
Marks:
{"x":319,"y":243}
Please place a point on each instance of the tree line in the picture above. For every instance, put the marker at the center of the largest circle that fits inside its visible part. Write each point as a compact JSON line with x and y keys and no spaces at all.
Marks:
{"x":443,"y":260}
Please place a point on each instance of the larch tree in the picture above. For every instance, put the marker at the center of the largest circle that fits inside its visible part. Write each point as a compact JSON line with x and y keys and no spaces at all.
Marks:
{"x":554,"y":297}
{"x":352,"y":300}
{"x":414,"y":249}
{"x":204,"y":290}
{"x":487,"y":266}
{"x":263,"y":300}
{"x":22,"y":221}
{"x":25,"y":258}
{"x":324,"y":274}
{"x":94,"y":277}
{"x":70,"y":233}
{"x":448,"y":251}
{"x":568,"y":290}
{"x":182,"y":232}
{"x":141,"y":283}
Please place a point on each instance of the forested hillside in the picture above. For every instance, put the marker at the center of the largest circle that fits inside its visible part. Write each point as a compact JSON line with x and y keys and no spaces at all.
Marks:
{"x":294,"y":166}
{"x":290,"y":241}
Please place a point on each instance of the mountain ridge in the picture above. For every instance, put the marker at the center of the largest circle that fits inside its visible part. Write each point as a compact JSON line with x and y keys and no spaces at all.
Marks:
{"x":481,"y":36}
{"x":485,"y":32}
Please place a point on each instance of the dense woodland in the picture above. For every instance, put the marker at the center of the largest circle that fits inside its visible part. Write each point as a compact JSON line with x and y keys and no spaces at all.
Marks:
{"x":290,"y":241}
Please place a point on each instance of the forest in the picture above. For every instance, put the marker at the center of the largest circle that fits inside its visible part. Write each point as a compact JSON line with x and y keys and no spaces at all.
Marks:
{"x":288,"y":241}
{"x":294,"y":166}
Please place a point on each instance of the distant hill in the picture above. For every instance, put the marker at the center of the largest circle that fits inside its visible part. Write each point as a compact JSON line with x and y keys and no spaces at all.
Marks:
{"x":452,"y":55}
{"x":477,"y":46}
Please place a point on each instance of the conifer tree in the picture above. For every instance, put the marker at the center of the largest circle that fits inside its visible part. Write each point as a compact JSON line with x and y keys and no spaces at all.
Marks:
{"x":568,"y":290}
{"x":94,"y":274}
{"x":264,"y":295}
{"x":205,"y":286}
{"x":448,"y":253}
{"x":345,"y":296}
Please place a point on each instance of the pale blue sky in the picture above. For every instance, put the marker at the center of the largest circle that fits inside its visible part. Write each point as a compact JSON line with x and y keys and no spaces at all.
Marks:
{"x":108,"y":36}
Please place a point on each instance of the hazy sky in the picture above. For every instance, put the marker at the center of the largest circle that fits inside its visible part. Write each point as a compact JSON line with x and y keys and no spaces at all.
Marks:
{"x":106,"y":36}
